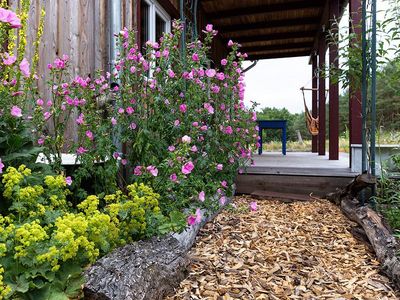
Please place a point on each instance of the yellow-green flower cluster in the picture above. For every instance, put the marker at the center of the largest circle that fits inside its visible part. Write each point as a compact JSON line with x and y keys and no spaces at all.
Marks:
{"x":4,"y":288}
{"x":27,"y":236}
{"x":11,"y":178}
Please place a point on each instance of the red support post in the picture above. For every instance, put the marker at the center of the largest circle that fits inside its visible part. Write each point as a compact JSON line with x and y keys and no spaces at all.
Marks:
{"x":314,"y":110}
{"x":333,"y":83}
{"x":355,"y":107}
{"x":321,"y":96}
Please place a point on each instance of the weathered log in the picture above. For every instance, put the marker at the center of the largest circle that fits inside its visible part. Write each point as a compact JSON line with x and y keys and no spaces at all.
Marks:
{"x":144,"y":270}
{"x":379,"y":234}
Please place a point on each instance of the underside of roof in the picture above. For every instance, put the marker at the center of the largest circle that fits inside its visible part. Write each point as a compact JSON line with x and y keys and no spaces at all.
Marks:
{"x":271,"y":28}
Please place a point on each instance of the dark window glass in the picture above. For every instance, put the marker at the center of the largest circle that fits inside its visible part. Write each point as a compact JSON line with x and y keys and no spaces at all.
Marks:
{"x":160,"y":27}
{"x":145,"y":23}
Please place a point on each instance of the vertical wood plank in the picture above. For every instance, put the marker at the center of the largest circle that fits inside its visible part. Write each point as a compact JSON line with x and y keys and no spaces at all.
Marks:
{"x":322,"y":97}
{"x":314,"y":110}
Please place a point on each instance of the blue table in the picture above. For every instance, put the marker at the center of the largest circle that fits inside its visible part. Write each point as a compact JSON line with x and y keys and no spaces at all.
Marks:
{"x":272,"y":124}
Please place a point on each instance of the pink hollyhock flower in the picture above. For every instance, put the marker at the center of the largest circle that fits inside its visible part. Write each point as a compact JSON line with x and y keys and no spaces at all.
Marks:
{"x":187,"y":168}
{"x":16,"y":112}
{"x":253,"y":206}
{"x":49,"y":103}
{"x":46,"y":115}
{"x":173,"y":177}
{"x":230,"y":43}
{"x":165,"y":53}
{"x":177,"y":122}
{"x":254,"y":116}
{"x":130,"y":110}
{"x":59,"y":63}
{"x":209,"y":108}
{"x":224,"y":184}
{"x":186,"y":139}
{"x":89,"y":134}
{"x":132,"y":126}
{"x":203,"y":128}
{"x":81,"y":150}
{"x":40,"y":102}
{"x":153,"y":170}
{"x":202,"y":196}
{"x":220,"y":167}
{"x":224,"y":62}
{"x":8,"y":60}
{"x":220,"y":76}
{"x":228,"y":130}
{"x":138,"y":170}
{"x":194,"y":148}
{"x":195,"y":124}
{"x":8,"y":16}
{"x":215,"y":89}
{"x":210,"y":73}
{"x":171,"y":148}
{"x":209,"y":28}
{"x":132,"y":69}
{"x":222,"y":200}
{"x":40,"y":141}
{"x":68,"y":180}
{"x":81,"y":119}
{"x":24,"y":67}
{"x":194,"y":219}
{"x":113,"y":121}
{"x":1,"y":166}
{"x":124,"y":161}
{"x":195,"y":57}
{"x":121,"y":110}
{"x":171,"y":73}
{"x":183,"y":108}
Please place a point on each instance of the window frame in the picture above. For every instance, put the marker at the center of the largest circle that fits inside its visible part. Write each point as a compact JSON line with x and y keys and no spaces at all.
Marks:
{"x":154,"y":9}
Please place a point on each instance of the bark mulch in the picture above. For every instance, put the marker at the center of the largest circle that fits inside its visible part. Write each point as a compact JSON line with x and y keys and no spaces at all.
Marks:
{"x":300,"y":250}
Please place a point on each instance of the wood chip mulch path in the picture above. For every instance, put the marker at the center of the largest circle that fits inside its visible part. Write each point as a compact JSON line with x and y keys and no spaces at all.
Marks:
{"x":301,"y":250}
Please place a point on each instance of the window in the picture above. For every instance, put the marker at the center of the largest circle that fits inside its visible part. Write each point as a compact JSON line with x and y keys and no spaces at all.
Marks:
{"x":154,"y":21}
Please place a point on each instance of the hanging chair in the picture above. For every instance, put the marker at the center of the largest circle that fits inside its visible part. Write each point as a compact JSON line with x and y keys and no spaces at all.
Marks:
{"x":311,"y":123}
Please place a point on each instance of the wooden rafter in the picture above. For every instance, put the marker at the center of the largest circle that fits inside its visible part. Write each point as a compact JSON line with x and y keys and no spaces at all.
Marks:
{"x":265,"y":8}
{"x":268,"y":24}
{"x":301,"y":45}
{"x":274,"y":36}
{"x":279,"y":55}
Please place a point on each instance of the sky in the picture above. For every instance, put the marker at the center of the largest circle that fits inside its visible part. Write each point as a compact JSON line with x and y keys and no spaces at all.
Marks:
{"x":277,"y":82}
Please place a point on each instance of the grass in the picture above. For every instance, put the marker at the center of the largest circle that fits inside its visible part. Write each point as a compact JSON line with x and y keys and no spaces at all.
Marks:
{"x":383,"y":137}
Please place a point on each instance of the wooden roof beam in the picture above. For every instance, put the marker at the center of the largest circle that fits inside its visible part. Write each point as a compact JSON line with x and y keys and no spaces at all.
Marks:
{"x":268,"y":24}
{"x":278,"y":55}
{"x":276,"y":47}
{"x":273,"y":36}
{"x":263,"y":9}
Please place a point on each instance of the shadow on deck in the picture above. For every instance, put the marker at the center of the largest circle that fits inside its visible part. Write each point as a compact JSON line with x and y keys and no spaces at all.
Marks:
{"x":297,"y":173}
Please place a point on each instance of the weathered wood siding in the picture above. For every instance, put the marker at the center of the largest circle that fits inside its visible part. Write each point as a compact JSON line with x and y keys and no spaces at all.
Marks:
{"x":78,"y":28}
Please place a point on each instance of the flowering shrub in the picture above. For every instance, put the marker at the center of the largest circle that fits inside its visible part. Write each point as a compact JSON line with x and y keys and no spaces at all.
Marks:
{"x":17,"y":88}
{"x":43,"y":239}
{"x":185,"y":123}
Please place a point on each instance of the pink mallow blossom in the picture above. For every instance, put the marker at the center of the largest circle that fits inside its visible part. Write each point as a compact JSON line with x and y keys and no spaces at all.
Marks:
{"x":68,"y":180}
{"x":24,"y":67}
{"x":186,"y":139}
{"x":1,"y":166}
{"x":89,"y":134}
{"x":187,"y":168}
{"x":138,"y":170}
{"x":202,"y":196}
{"x":210,"y":73}
{"x":153,"y":170}
{"x":253,"y":206}
{"x":209,"y":108}
{"x":81,"y":119}
{"x":9,"y":59}
{"x":173,"y":177}
{"x":81,"y":150}
{"x":194,"y":219}
{"x":220,"y":167}
{"x":10,"y":17}
{"x":16,"y":112}
{"x":183,"y":108}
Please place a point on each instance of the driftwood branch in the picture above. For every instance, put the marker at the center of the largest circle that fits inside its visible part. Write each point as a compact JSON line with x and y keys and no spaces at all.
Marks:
{"x":379,"y":235}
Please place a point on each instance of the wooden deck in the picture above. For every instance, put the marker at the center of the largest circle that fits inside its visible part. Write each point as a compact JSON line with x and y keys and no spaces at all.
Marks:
{"x":296,"y":173}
